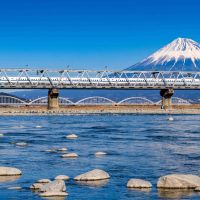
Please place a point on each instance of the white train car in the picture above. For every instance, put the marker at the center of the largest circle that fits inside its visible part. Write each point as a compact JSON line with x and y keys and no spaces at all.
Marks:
{"x":102,"y":81}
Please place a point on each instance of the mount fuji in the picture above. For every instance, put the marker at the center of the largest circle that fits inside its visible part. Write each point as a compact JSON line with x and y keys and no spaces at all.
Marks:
{"x":182,"y":54}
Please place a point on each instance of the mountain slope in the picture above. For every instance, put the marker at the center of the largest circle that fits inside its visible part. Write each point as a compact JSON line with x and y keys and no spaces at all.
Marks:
{"x":181,"y":54}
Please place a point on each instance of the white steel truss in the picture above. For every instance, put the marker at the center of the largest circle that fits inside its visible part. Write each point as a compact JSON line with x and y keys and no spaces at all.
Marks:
{"x":97,"y":79}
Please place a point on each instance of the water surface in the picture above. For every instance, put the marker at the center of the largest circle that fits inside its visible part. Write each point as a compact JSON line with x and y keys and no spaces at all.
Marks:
{"x":138,"y":146}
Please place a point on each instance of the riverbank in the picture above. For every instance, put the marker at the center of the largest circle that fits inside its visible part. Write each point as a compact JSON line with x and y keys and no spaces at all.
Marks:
{"x":103,"y":109}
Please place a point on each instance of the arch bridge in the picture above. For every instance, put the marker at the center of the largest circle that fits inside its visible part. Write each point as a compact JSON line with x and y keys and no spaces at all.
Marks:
{"x":95,"y":100}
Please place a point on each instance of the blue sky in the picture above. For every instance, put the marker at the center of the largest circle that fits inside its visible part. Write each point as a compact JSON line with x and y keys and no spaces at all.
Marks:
{"x":90,"y":33}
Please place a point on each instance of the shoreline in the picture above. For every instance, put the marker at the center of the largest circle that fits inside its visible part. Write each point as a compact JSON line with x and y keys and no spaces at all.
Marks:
{"x":103,"y":109}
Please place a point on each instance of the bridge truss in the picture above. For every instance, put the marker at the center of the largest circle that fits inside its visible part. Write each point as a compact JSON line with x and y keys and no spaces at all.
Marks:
{"x":92,"y":79}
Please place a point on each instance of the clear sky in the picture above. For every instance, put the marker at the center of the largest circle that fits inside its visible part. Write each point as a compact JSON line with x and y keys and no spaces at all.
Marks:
{"x":91,"y":33}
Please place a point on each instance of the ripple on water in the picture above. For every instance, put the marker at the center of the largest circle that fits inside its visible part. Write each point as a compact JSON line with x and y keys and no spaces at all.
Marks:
{"x":137,"y":146}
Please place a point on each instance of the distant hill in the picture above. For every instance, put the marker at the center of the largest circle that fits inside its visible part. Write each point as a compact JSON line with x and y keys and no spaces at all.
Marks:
{"x":181,"y":54}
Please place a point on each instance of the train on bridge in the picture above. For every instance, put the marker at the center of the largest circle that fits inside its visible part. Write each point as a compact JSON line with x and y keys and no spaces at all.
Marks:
{"x":97,"y":82}
{"x":53,"y":80}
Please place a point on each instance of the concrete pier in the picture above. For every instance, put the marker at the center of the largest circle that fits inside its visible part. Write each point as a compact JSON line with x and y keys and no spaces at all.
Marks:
{"x":166,"y":95}
{"x":53,"y":100}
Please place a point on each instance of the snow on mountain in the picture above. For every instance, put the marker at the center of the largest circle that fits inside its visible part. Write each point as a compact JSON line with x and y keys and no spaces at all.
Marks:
{"x":181,"y":54}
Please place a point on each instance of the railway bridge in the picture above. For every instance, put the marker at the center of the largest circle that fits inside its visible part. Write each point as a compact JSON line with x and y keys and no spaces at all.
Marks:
{"x":54,"y":80}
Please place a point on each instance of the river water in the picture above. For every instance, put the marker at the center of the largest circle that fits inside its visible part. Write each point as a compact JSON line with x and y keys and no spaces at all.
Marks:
{"x":137,"y":146}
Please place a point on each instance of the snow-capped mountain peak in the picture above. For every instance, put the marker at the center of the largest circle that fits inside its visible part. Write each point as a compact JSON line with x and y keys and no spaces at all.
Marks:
{"x":181,"y":54}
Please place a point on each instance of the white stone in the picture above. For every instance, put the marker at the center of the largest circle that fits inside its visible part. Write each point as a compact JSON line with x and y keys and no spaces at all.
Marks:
{"x":170,"y":119}
{"x":100,"y":153}
{"x":71,"y":136}
{"x":36,"y":186}
{"x":62,"y":149}
{"x":21,"y":144}
{"x":62,"y":177}
{"x":15,"y":188}
{"x":179,"y":181}
{"x":45,"y":180}
{"x":9,"y":171}
{"x":96,"y":174}
{"x":50,"y":150}
{"x":53,"y":194}
{"x":1,"y":134}
{"x":38,"y":126}
{"x":138,"y":183}
{"x":70,"y":155}
{"x":197,"y":189}
{"x":54,"y":186}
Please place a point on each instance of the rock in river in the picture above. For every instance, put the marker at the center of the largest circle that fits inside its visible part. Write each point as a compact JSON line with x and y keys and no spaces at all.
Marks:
{"x":62,"y":149}
{"x":179,"y":181}
{"x":44,"y":180}
{"x":96,"y":174}
{"x":138,"y":183}
{"x":100,"y":153}
{"x":9,"y":171}
{"x":36,"y":186}
{"x":197,"y":189}
{"x":54,"y":188}
{"x":15,"y":188}
{"x":71,"y":136}
{"x":21,"y":144}
{"x":53,"y":194}
{"x":39,"y":184}
{"x":70,"y":155}
{"x":62,"y":177}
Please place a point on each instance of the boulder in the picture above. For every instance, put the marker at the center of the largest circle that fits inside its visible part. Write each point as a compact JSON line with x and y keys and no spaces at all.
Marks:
{"x":138,"y":183}
{"x":62,"y":177}
{"x":62,"y":149}
{"x":36,"y":186}
{"x":51,"y":150}
{"x":44,"y":181}
{"x":9,"y":171}
{"x":96,"y":174}
{"x":38,"y":126}
{"x":100,"y":153}
{"x":53,"y":194}
{"x":15,"y":188}
{"x":71,"y":136}
{"x":197,"y":189}
{"x":69,"y":155}
{"x":179,"y":181}
{"x":21,"y":144}
{"x":54,"y":186}
{"x":170,"y":119}
{"x":1,"y":134}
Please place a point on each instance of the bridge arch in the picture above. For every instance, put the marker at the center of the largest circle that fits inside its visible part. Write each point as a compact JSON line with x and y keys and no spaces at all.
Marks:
{"x":44,"y":101}
{"x":135,"y":101}
{"x":65,"y":101}
{"x":177,"y":101}
{"x":39,"y":101}
{"x":10,"y":100}
{"x":96,"y":100}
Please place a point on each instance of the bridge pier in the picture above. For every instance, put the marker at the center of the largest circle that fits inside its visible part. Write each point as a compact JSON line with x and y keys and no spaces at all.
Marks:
{"x":53,"y":100}
{"x":166,"y":95}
